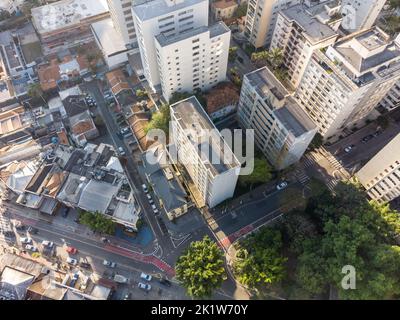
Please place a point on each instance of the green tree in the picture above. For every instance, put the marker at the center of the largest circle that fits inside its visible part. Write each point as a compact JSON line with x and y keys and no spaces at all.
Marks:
{"x":35,"y":91}
{"x":259,"y":260}
{"x":160,"y":120}
{"x":273,"y":58}
{"x":240,"y":11}
{"x":316,"y":142}
{"x":200,"y":268}
{"x":97,"y":222}
{"x":141,"y":93}
{"x":232,"y":53}
{"x":394,"y":4}
{"x":260,"y":174}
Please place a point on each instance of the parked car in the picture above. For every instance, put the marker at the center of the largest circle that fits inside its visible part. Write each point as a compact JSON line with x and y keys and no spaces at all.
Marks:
{"x":85,"y":265}
{"x":145,"y":276}
{"x":121,"y":151}
{"x":349,"y":148}
{"x":26,"y":240}
{"x":32,"y":230}
{"x":72,"y":261}
{"x":71,"y":250}
{"x":31,"y":248}
{"x":144,"y":286}
{"x":75,"y":278}
{"x":282,"y":185}
{"x":128,"y":296}
{"x":47,"y":244}
{"x":377,"y":133}
{"x":367,"y":138}
{"x":120,"y":279}
{"x":20,"y":227}
{"x":155,"y":210}
{"x":109,"y":264}
{"x":144,"y":187}
{"x":148,"y":196}
{"x":165,"y":282}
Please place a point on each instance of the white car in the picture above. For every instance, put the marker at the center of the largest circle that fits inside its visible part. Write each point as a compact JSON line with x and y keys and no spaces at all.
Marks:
{"x":48,"y":244}
{"x":144,"y":286}
{"x":26,"y":240}
{"x":145,"y":188}
{"x":146,"y":276}
{"x":148,"y":196}
{"x":348,"y":149}
{"x":121,"y":151}
{"x":155,"y":210}
{"x":72,"y":261}
{"x":31,"y":248}
{"x":282,"y":185}
{"x":109,"y":264}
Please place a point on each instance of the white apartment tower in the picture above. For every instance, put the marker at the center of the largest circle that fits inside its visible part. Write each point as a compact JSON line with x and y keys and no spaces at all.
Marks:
{"x":121,"y":15}
{"x":381,"y":175}
{"x":282,"y":130}
{"x":360,"y":14}
{"x":302,"y":29}
{"x":261,"y":17}
{"x":196,"y":59}
{"x":343,"y":83}
{"x":200,"y":147}
{"x":167,"y":17}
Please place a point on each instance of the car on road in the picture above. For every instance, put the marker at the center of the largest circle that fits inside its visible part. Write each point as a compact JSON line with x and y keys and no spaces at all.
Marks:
{"x":121,"y":151}
{"x":32,"y":230}
{"x":367,"y":138}
{"x":377,"y":133}
{"x":31,"y":248}
{"x":109,"y":264}
{"x":120,"y":279}
{"x":72,"y":261}
{"x":144,"y":187}
{"x":165,"y":282}
{"x":71,"y":250}
{"x":144,"y":286}
{"x":282,"y":185}
{"x":20,"y":227}
{"x":145,"y":276}
{"x":348,"y":148}
{"x":26,"y":240}
{"x":47,"y":244}
{"x":74,"y":279}
{"x":128,"y":296}
{"x":155,"y":210}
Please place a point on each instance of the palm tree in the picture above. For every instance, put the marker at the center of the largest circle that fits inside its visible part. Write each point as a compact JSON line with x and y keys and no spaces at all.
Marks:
{"x":35,"y":91}
{"x":275,"y":57}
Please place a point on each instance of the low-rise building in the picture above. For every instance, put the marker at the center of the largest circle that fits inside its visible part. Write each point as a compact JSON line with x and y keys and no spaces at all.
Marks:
{"x":223,"y":9}
{"x":282,"y":130}
{"x":203,"y":152}
{"x":381,"y":175}
{"x":221,"y":100}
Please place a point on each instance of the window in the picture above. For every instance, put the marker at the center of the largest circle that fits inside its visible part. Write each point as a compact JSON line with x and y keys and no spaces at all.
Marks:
{"x":166,"y":18}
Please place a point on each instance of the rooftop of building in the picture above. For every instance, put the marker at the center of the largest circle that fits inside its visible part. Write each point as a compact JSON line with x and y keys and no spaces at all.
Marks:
{"x":75,"y":105}
{"x":388,"y":156}
{"x":64,"y":13}
{"x":215,"y":30}
{"x":310,"y":20}
{"x":110,"y":40}
{"x":293,"y":118}
{"x":264,"y":81}
{"x":224,"y":4}
{"x":147,"y":10}
{"x":201,"y":132}
{"x":222,"y":95}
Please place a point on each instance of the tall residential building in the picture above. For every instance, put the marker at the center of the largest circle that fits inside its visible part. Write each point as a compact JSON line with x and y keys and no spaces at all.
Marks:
{"x":360,"y":14}
{"x":261,"y":18}
{"x":392,"y":99}
{"x":167,"y":17}
{"x":196,"y":59}
{"x":302,"y":29}
{"x":207,"y":158}
{"x":121,"y":15}
{"x":381,"y":175}
{"x":343,"y":83}
{"x":282,"y":130}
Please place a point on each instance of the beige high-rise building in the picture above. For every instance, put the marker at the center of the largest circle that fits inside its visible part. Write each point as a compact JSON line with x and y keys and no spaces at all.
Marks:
{"x":381,"y":175}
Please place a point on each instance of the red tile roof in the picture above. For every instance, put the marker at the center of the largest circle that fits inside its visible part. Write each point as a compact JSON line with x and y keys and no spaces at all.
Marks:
{"x":224,"y":94}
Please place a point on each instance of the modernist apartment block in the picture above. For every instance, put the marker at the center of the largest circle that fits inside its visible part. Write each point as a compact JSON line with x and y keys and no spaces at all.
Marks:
{"x":360,"y":14}
{"x":343,"y":83}
{"x":282,"y":129}
{"x":167,"y":17}
{"x":195,"y":59}
{"x":381,"y":175}
{"x":261,"y":17}
{"x":121,"y":15}
{"x":302,"y":29}
{"x":207,"y":158}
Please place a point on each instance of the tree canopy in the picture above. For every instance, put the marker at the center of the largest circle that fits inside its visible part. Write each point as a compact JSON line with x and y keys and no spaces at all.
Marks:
{"x":261,"y":173}
{"x":160,"y":120}
{"x":201,"y":268}
{"x":97,"y":222}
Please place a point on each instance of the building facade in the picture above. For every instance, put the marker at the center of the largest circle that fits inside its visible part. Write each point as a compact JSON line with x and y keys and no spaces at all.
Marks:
{"x":381,"y":175}
{"x":169,"y":18}
{"x":260,"y":20}
{"x":223,"y":9}
{"x":282,"y":130}
{"x":209,"y":161}
{"x":302,"y":29}
{"x":196,"y":59}
{"x":342,"y":84}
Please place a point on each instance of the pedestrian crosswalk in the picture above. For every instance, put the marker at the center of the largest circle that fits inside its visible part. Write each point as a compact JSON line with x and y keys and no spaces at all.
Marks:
{"x":301,"y":176}
{"x":332,"y":184}
{"x":314,"y":157}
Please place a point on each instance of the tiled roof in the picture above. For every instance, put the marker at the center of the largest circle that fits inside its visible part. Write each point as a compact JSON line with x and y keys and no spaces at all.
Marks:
{"x":222,"y":95}
{"x":49,"y":74}
{"x":223,"y":4}
{"x":82,"y":127}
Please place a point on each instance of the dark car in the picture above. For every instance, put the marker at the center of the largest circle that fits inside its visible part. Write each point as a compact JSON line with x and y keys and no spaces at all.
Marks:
{"x":85,"y":265}
{"x":367,"y":138}
{"x":32,"y":230}
{"x":65,"y":212}
{"x":377,"y":133}
{"x":165,"y":282}
{"x":20,"y":227}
